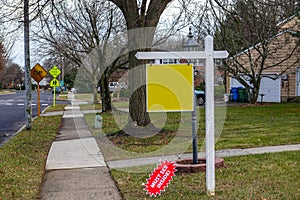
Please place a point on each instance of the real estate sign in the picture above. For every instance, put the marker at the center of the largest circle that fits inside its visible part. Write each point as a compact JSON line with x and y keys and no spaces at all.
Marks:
{"x":170,"y":87}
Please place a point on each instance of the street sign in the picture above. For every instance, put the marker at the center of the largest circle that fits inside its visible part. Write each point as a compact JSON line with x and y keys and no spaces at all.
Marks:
{"x":38,"y":73}
{"x":170,"y":87}
{"x":54,"y":72}
{"x":54,"y":83}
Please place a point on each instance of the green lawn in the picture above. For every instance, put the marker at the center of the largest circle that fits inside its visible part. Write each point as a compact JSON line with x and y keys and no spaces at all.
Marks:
{"x":255,"y":126}
{"x":90,"y":107}
{"x":85,"y":96}
{"x":242,"y":127}
{"x":57,"y":107}
{"x":62,"y":97}
{"x":23,"y":158}
{"x":99,"y":106}
{"x":266,"y":176}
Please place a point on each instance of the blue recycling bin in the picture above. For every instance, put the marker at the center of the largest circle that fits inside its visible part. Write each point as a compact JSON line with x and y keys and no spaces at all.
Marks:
{"x":235,"y":94}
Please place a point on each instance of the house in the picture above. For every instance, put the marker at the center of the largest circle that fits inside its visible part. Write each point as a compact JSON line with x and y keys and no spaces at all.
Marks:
{"x":281,"y":80}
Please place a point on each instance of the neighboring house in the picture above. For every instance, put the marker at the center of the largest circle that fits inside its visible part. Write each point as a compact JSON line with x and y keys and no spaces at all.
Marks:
{"x":286,"y":87}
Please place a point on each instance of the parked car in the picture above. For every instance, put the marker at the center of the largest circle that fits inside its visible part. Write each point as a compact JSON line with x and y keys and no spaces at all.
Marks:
{"x":58,"y":90}
{"x":113,"y":86}
{"x":200,"y":95}
{"x":73,"y":90}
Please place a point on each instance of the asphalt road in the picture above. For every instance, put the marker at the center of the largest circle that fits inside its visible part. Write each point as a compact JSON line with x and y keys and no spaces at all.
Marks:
{"x":12,"y":111}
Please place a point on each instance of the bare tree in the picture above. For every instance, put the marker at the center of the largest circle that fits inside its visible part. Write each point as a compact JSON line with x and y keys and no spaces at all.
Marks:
{"x":12,"y":76}
{"x":75,"y":31}
{"x":20,"y":11}
{"x":2,"y":59}
{"x":140,"y":14}
{"x":249,"y":31}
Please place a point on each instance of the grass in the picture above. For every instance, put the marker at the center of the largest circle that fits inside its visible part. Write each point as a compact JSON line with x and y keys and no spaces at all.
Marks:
{"x":90,"y":106}
{"x":62,"y":97}
{"x":22,"y":160}
{"x":84,"y":96}
{"x":266,"y":176}
{"x":99,"y":106}
{"x":120,"y":104}
{"x":244,"y":127}
{"x":57,"y":107}
{"x":256,"y":126}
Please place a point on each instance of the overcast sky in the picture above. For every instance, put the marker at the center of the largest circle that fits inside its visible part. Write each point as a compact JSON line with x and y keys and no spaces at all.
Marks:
{"x":18,"y":50}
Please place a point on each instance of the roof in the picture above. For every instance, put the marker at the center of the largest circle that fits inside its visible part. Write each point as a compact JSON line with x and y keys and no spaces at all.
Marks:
{"x":273,"y":37}
{"x":287,"y":19}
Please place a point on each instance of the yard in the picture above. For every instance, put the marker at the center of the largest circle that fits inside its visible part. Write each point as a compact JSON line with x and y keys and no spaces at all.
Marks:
{"x":239,"y":127}
{"x":265,"y":176}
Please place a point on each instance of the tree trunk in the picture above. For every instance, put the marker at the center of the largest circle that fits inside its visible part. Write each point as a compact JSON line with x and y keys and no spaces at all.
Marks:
{"x":255,"y":92}
{"x":137,"y":102}
{"x":140,"y":37}
{"x":105,"y":94}
{"x":95,"y":95}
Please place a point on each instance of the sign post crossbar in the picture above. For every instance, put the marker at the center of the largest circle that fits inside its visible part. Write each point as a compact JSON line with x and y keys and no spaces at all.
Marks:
{"x":208,"y":55}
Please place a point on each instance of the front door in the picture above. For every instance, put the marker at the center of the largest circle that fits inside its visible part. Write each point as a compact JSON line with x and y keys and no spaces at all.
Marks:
{"x":298,"y":81}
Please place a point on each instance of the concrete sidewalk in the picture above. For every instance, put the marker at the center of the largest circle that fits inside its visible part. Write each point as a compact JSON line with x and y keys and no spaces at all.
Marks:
{"x":75,"y":167}
{"x":222,"y":153}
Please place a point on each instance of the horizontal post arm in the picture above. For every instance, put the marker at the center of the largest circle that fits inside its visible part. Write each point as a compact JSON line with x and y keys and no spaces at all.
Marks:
{"x":179,"y":55}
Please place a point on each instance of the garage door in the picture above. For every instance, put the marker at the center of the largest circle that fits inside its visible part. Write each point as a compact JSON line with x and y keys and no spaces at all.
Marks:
{"x":271,"y":90}
{"x":269,"y":87}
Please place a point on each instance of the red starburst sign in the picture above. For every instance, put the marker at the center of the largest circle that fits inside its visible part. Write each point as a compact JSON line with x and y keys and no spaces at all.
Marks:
{"x":160,"y":178}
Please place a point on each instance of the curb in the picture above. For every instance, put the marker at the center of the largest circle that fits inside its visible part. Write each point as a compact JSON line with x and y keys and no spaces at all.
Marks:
{"x":16,"y":133}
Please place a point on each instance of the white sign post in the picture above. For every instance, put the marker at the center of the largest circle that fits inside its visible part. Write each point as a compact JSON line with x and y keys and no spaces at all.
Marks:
{"x":210,"y":116}
{"x":208,"y":55}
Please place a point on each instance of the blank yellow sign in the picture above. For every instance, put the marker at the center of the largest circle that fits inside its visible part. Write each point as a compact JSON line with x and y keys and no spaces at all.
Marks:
{"x":170,"y":87}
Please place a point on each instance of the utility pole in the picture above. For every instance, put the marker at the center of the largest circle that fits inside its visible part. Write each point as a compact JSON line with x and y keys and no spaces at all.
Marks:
{"x":28,"y":106}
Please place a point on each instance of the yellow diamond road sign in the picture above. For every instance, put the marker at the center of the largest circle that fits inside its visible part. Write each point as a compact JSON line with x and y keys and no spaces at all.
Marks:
{"x":54,"y":71}
{"x":38,"y":73}
{"x":170,"y":87}
{"x":54,"y":83}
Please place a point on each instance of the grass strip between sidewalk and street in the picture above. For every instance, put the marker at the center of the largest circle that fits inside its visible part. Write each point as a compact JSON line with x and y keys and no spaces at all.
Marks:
{"x":23,"y":158}
{"x":264,"y":176}
{"x":57,"y":107}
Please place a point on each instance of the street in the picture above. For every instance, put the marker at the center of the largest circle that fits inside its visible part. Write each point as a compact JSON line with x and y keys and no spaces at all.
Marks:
{"x":12,"y":111}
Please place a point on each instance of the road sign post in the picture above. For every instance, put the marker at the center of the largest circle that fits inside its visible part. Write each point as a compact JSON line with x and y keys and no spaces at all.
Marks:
{"x":38,"y":73}
{"x":54,"y":83}
{"x":208,"y":55}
